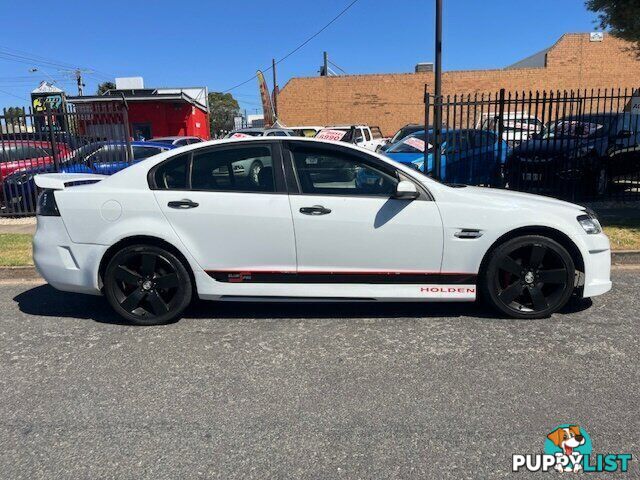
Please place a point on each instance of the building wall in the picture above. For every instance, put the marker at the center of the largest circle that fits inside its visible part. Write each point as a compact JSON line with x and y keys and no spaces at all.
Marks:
{"x":169,"y":118}
{"x":393,"y":100}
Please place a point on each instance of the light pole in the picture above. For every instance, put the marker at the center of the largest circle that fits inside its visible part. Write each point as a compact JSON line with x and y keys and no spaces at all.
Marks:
{"x":437,"y":105}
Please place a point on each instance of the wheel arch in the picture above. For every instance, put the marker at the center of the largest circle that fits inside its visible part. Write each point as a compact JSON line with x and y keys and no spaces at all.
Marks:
{"x":549,"y":232}
{"x":145,"y":240}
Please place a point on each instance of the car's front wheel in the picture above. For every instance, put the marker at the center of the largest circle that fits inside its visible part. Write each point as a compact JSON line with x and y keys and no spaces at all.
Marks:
{"x":528,"y":277}
{"x":147,"y":285}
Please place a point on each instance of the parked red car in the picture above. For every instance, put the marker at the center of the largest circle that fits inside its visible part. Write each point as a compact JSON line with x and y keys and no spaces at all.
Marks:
{"x":21,"y":154}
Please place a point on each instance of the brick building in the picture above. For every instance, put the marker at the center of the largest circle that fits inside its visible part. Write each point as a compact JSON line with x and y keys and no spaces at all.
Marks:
{"x":393,"y":100}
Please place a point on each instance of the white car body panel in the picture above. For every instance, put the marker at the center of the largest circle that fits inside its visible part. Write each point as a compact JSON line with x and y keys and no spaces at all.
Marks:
{"x":266,"y":233}
{"x":359,"y":228}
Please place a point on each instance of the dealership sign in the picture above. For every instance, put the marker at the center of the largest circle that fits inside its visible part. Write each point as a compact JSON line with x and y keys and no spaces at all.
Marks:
{"x":335,"y":135}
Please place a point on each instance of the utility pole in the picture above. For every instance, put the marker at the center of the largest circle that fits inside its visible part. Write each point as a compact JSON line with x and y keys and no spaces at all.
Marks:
{"x":437,"y":114}
{"x":275,"y":88}
{"x":79,"y":82}
{"x":325,"y":64}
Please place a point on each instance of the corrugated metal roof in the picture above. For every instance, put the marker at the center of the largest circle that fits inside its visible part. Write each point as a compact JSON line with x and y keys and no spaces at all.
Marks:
{"x":537,"y":60}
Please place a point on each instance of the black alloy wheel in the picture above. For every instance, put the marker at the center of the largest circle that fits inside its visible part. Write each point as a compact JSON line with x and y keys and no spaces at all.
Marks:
{"x":529,"y":277}
{"x":147,"y":285}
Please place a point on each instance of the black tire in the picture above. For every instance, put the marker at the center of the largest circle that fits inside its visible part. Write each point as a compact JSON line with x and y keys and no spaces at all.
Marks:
{"x":528,"y":277}
{"x":147,"y":285}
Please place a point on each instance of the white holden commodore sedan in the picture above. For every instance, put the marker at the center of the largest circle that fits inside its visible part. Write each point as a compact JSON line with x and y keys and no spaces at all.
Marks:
{"x":318,"y":220}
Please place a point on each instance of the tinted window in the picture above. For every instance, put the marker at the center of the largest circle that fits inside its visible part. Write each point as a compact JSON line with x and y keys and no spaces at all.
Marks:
{"x":12,"y":153}
{"x":166,"y":141}
{"x":145,"y":152}
{"x":182,"y":143}
{"x":334,"y":173}
{"x":172,"y":175}
{"x":194,"y":140}
{"x":247,"y":169}
{"x":367,"y":135}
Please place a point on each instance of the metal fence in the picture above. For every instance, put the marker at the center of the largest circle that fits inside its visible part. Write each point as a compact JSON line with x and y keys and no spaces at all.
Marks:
{"x":71,"y":140}
{"x":575,"y":145}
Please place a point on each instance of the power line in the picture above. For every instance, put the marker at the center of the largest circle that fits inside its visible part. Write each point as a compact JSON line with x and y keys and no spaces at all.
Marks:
{"x":13,"y":95}
{"x":338,"y":67}
{"x":298,"y":47}
{"x":20,"y":56}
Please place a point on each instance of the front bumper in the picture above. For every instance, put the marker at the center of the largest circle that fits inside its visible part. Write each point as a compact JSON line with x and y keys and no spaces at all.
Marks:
{"x":65,"y":265}
{"x":596,"y":252}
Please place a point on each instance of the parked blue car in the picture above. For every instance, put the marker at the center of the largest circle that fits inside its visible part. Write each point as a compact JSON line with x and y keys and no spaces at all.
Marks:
{"x":469,"y":156}
{"x":105,"y":158}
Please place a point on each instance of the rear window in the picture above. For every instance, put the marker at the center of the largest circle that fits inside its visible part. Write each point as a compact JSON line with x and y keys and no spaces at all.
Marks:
{"x":375,"y":131}
{"x":13,"y":153}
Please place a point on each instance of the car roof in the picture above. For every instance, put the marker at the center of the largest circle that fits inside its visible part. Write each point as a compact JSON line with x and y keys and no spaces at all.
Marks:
{"x":174,"y":137}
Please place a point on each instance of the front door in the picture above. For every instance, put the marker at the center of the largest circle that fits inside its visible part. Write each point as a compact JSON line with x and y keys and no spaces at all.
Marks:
{"x":348,"y":227}
{"x":229,"y":207}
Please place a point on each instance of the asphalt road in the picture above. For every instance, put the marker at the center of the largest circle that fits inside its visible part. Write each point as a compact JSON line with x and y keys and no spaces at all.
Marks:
{"x":308,"y":391}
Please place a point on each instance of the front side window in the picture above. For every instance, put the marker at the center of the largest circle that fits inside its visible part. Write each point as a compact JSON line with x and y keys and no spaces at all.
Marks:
{"x":367,"y":135}
{"x":322,"y":172}
{"x":246,"y":169}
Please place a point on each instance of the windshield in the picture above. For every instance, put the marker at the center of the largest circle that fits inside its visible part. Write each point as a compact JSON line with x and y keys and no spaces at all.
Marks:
{"x":577,"y":129}
{"x":414,"y":143}
{"x":336,"y":134}
{"x":403,"y":132}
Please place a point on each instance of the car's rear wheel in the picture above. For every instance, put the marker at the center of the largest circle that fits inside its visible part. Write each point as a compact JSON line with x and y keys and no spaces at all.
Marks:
{"x":529,"y":277}
{"x":147,"y":285}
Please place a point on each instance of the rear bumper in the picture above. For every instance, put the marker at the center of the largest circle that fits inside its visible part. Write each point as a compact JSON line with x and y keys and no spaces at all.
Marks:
{"x":596,"y":252}
{"x":66,"y":266}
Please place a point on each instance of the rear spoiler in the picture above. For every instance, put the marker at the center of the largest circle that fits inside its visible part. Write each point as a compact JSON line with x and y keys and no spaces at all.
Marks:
{"x":60,"y":181}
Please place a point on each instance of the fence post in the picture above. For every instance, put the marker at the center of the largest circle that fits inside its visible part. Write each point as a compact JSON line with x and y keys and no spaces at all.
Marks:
{"x":437,"y":135}
{"x":500,"y":124}
{"x":127,"y":132}
{"x":52,"y":139}
{"x":427,"y":107}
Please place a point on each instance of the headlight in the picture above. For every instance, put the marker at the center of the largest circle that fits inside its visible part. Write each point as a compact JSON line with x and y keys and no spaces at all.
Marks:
{"x":590,"y":223}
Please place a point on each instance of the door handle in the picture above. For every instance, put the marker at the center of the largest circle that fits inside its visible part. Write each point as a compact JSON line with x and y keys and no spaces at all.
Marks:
{"x":315,"y":210}
{"x":182,"y":204}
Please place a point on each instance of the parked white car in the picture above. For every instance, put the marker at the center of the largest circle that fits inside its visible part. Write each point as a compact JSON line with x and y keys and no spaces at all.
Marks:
{"x":324,"y":220}
{"x":518,"y":127}
{"x":178,"y":141}
{"x":363,"y":136}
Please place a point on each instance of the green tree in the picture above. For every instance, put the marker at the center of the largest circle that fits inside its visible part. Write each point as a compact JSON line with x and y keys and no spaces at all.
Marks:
{"x":621,"y":17}
{"x":222,"y":109}
{"x":105,"y":86}
{"x":15,"y":115}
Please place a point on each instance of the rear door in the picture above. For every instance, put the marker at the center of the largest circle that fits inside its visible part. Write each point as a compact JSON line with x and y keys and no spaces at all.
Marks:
{"x":229,"y":206}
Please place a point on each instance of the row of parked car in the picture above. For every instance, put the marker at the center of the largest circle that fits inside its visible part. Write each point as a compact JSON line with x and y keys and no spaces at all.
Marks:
{"x":582,"y":153}
{"x":21,"y":160}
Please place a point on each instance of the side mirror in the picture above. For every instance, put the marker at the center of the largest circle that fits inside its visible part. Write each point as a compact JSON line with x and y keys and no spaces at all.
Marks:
{"x":406,"y":191}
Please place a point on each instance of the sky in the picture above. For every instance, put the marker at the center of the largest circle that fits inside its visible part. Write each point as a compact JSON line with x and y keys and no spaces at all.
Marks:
{"x":220,"y":44}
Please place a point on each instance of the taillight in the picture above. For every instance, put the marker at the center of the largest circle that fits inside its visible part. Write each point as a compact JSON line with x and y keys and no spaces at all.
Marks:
{"x":47,"y":206}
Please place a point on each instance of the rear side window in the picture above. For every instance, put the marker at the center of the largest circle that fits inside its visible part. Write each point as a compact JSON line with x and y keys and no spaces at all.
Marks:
{"x":145,"y":152}
{"x":172,"y":175}
{"x":375,"y":131}
{"x":245,"y":169}
{"x":367,"y":135}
